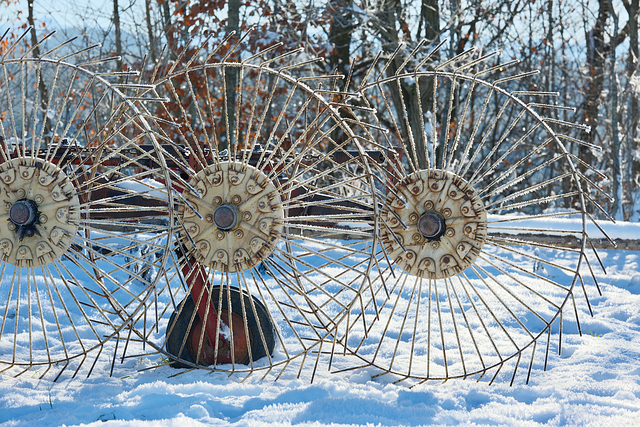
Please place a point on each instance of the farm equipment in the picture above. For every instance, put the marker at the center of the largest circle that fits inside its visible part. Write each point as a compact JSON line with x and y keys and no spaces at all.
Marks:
{"x":260,"y":233}
{"x":242,"y":214}
{"x":71,"y":271}
{"x":455,"y":215}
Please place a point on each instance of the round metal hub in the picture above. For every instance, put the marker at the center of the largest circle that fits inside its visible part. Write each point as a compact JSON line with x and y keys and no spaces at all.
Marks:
{"x":39,"y":213}
{"x":431,"y":225}
{"x":24,"y":213}
{"x":241,"y":213}
{"x":224,"y":217}
{"x":446,"y":224}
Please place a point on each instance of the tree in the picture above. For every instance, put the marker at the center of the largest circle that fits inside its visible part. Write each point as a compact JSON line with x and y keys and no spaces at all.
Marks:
{"x":44,"y":93}
{"x":632,"y":92}
{"x":116,"y":24}
{"x":410,"y":100}
{"x":340,"y":31}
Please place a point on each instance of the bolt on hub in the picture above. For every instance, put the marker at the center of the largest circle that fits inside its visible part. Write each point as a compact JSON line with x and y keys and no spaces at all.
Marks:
{"x":431,"y":225}
{"x":24,"y":213}
{"x":224,"y":217}
{"x":446,"y":224}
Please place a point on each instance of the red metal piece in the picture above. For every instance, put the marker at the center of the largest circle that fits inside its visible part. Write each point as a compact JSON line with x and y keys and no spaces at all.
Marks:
{"x":195,"y":277}
{"x":204,"y":353}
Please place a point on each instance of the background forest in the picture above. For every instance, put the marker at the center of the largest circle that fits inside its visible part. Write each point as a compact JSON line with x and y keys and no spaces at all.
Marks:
{"x":585,"y":50}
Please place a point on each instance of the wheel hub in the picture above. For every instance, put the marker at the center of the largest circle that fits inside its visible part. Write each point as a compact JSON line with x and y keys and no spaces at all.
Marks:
{"x":41,"y":209}
{"x":446,"y":224}
{"x":24,"y":213}
{"x":241,"y":217}
{"x":224,"y":217}
{"x":431,"y":225}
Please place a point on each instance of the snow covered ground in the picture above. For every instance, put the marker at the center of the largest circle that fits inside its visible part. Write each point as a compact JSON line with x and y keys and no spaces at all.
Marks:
{"x":595,"y":381}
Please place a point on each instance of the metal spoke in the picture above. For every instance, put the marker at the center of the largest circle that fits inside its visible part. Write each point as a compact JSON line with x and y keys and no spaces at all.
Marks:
{"x":77,"y":155}
{"x":475,"y":290}
{"x":286,"y":214}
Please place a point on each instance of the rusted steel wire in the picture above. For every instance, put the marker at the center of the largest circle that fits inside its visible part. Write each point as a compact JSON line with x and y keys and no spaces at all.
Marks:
{"x":239,"y":212}
{"x":70,"y":167}
{"x":467,"y":300}
{"x":274,"y":176}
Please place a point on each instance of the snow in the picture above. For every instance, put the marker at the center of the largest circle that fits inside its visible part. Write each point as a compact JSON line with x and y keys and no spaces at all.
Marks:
{"x":147,"y":187}
{"x":595,"y":381}
{"x":513,"y":224}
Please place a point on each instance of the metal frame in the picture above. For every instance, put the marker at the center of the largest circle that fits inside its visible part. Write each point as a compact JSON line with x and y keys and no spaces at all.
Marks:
{"x":72,"y":273}
{"x":457,"y":322}
{"x":314,"y":237}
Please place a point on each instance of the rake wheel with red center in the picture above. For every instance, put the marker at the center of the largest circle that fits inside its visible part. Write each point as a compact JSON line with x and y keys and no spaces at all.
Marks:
{"x":277,"y":217}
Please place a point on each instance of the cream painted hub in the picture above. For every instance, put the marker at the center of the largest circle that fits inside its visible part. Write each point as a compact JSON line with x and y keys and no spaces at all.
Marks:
{"x":242,"y":217}
{"x":447,"y":224}
{"x":39,"y":213}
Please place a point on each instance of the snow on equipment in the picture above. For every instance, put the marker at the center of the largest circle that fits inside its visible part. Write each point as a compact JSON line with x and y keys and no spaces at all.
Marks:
{"x":238,"y":212}
{"x":265,"y":237}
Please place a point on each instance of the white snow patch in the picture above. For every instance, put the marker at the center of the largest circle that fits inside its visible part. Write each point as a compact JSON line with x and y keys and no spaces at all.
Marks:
{"x":595,"y":381}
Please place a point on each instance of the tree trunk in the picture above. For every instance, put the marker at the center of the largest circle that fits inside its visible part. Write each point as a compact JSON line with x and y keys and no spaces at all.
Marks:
{"x":550,"y":51}
{"x":616,"y":170}
{"x":455,"y":42}
{"x":429,"y":20}
{"x":408,"y":98}
{"x":632,"y":7}
{"x":231,"y":82}
{"x":166,"y":18}
{"x":595,"y":62}
{"x":152,"y":41}
{"x":116,"y":24}
{"x":340,"y":56}
{"x":340,"y":35}
{"x":42,"y":88}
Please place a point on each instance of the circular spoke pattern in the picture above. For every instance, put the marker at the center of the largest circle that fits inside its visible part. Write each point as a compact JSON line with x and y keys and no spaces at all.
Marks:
{"x":402,"y":224}
{"x":276,"y":220}
{"x":465,"y":284}
{"x":85,"y":214}
{"x":38,"y":200}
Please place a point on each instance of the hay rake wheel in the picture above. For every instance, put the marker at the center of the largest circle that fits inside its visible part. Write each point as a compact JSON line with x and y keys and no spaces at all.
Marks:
{"x":262,"y":217}
{"x":475,"y":287}
{"x":82,"y":191}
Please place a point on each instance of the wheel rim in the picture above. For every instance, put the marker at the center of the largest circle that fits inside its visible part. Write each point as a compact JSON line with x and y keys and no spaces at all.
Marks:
{"x":279,"y":151}
{"x":486,"y":311}
{"x":83,"y":183}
